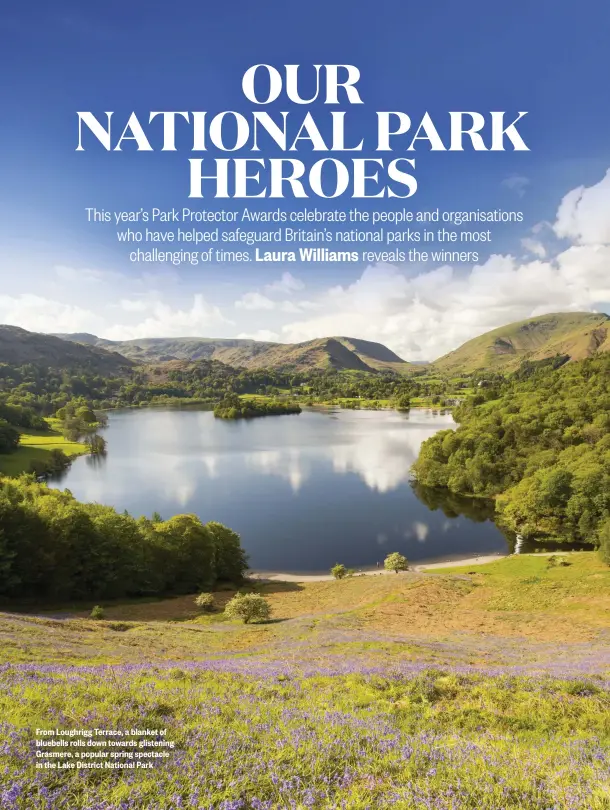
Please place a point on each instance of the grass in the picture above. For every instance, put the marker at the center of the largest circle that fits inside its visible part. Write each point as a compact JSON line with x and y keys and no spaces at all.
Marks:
{"x":355,"y":742}
{"x":467,"y":688}
{"x":37,"y":446}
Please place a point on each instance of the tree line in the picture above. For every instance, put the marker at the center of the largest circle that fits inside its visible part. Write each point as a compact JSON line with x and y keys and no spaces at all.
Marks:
{"x":540,"y":445}
{"x":43,"y":391}
{"x":52,"y":547}
{"x":13,"y":417}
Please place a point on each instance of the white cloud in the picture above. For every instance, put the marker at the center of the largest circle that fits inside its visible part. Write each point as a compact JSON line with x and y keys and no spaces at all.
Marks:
{"x":516,"y":183}
{"x":201,"y":320}
{"x":134,"y":305}
{"x":73,"y":275}
{"x":534,"y":246}
{"x":382,"y":461}
{"x":428,"y":315}
{"x":261,"y":334}
{"x":420,"y":314}
{"x":39,"y":314}
{"x":290,"y":464}
{"x":421,"y":531}
{"x":286,"y":284}
{"x":584,"y":214}
{"x":253,"y":301}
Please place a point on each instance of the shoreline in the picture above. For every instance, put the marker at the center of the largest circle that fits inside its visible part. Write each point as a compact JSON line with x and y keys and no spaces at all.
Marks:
{"x":277,"y":576}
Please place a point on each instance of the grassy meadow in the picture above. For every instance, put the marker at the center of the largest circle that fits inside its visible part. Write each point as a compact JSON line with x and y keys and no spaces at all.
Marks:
{"x":37,"y":446}
{"x":466,"y":688}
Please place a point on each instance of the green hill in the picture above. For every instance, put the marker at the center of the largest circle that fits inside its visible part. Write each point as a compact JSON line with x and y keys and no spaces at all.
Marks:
{"x":577,"y":334}
{"x":340,"y":353}
{"x":18,"y":346}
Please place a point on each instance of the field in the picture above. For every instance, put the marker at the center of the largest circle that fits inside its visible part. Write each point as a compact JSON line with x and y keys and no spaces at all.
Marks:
{"x":36,"y":446}
{"x":477,"y":689}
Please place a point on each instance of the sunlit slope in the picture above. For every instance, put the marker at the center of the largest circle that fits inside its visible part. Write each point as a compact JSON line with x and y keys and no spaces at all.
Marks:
{"x":18,"y":346}
{"x":577,"y":334}
{"x":376,"y":355}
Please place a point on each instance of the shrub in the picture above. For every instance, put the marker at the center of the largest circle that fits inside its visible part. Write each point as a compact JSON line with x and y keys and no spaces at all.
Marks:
{"x":396,"y":562}
{"x":338,"y":571}
{"x":97,"y":612}
{"x":248,"y":607}
{"x":205,"y":601}
{"x":604,"y":542}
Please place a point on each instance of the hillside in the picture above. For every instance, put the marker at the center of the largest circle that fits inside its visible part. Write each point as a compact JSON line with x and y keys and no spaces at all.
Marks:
{"x":376,"y":355}
{"x":539,"y":446}
{"x":18,"y":347}
{"x":577,"y":334}
{"x":341,"y":353}
{"x":467,"y":688}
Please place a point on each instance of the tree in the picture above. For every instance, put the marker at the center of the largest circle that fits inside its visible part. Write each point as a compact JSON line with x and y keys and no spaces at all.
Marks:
{"x":96,"y":444}
{"x":86,"y":414}
{"x":396,"y":562}
{"x":53,"y":547}
{"x":186,"y":549}
{"x":97,"y":612}
{"x":403,"y":402}
{"x":604,"y":542}
{"x":9,"y":437}
{"x":230,"y":559}
{"x":540,"y":448}
{"x":248,"y":607}
{"x":205,"y":601}
{"x":338,"y":571}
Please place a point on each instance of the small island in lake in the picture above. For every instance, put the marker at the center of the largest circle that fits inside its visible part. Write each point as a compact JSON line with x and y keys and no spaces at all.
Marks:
{"x":233,"y":407}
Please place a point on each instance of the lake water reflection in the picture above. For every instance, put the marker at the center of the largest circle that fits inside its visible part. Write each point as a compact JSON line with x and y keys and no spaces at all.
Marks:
{"x":304,"y":491}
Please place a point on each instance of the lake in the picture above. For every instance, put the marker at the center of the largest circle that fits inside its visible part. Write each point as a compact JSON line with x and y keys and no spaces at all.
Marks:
{"x":304,"y":491}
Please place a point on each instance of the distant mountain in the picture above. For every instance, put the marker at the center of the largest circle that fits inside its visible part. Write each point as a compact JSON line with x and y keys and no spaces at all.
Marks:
{"x":340,"y":353}
{"x":577,"y":334}
{"x":18,"y":346}
{"x":375,"y":355}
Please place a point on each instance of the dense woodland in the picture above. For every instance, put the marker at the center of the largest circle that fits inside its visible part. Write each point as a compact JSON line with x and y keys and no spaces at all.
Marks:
{"x":540,"y":443}
{"x":45,"y":390}
{"x":54,"y":548}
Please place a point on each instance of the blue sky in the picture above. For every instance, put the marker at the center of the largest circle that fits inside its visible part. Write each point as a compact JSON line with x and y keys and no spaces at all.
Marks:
{"x":60,"y":273}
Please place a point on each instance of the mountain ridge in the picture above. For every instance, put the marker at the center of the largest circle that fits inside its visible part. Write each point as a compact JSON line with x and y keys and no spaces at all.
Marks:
{"x":577,"y":334}
{"x":341,"y":353}
{"x":19,"y":346}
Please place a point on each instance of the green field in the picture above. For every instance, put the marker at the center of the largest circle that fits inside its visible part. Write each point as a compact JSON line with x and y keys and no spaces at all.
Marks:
{"x":469,"y":688}
{"x":36,"y":446}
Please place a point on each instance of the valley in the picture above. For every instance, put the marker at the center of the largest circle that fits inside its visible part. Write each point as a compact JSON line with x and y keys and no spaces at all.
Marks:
{"x":431,"y":686}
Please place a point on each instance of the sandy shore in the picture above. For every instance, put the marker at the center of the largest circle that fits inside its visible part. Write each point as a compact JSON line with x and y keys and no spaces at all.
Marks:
{"x":274,"y":576}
